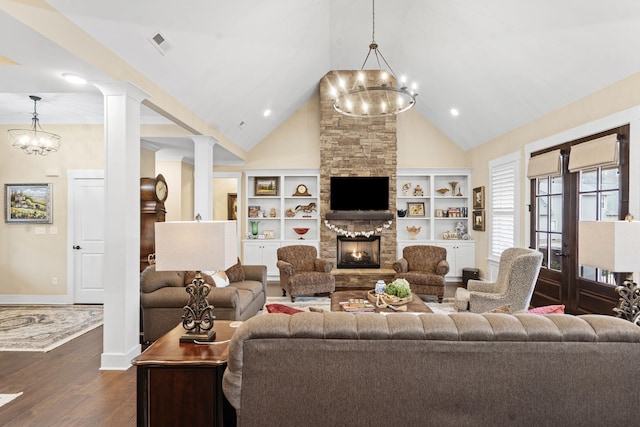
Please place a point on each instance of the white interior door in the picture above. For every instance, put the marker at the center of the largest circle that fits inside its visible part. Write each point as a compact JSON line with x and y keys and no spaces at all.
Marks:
{"x":88,"y":239}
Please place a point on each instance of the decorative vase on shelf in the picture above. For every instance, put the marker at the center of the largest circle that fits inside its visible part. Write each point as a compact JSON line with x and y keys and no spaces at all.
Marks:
{"x":254,"y":227}
{"x":453,"y":185}
{"x":402,"y":213}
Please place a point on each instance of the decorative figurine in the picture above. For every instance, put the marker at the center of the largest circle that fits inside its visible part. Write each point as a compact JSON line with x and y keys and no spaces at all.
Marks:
{"x":418,"y":191}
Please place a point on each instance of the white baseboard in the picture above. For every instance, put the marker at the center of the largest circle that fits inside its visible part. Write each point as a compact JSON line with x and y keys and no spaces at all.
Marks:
{"x":35,"y":299}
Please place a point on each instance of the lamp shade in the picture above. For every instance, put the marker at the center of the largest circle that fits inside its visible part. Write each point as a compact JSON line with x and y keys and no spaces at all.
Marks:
{"x":195,"y":246}
{"x":610,"y":245}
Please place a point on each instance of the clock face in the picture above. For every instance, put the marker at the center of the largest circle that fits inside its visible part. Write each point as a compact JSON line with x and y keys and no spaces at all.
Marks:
{"x":302,"y":188}
{"x":161,"y":190}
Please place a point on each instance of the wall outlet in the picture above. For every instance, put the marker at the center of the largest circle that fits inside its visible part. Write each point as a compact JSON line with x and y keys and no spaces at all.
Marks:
{"x":54,"y":281}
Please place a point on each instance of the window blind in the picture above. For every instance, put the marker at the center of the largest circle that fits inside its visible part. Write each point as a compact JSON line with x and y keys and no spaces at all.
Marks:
{"x":547,"y":164}
{"x":503,"y":207}
{"x":591,"y":154}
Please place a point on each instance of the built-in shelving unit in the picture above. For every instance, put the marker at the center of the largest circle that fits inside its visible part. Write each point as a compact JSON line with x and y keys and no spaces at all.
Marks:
{"x":437,"y":204}
{"x":280,"y":201}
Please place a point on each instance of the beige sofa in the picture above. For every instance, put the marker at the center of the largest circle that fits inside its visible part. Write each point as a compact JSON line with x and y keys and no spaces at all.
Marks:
{"x":463,"y":369}
{"x":163,"y":297}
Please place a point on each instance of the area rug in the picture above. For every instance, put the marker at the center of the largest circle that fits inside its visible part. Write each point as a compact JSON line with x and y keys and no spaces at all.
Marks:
{"x":324,"y":303}
{"x":6,"y":398}
{"x":45,"y":327}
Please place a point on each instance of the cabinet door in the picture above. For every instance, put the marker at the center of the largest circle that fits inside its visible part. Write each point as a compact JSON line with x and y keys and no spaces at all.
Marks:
{"x":460,"y":255}
{"x":262,"y":253}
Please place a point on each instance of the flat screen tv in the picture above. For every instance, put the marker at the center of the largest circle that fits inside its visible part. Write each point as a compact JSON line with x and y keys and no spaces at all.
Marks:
{"x":359,"y":193}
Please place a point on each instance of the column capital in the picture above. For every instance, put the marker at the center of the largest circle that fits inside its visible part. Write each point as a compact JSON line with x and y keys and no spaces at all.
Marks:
{"x":203,"y":139}
{"x":110,"y":88}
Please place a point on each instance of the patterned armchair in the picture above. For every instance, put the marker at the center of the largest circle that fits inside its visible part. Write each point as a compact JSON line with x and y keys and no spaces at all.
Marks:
{"x":303,"y":273}
{"x":424,"y":267}
{"x":517,"y":276}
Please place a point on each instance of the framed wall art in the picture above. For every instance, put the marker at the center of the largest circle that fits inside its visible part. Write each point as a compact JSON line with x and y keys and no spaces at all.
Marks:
{"x":478,"y":220}
{"x":232,"y":206}
{"x":28,"y":203}
{"x":415,"y":209}
{"x":266,"y":186}
{"x":478,"y":198}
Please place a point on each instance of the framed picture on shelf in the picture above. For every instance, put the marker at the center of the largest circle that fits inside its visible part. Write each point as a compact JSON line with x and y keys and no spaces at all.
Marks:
{"x":254,"y":211}
{"x":266,"y":186}
{"x":415,"y":209}
{"x":232,"y":206}
{"x":28,"y":203}
{"x":478,"y":220}
{"x":478,"y":198}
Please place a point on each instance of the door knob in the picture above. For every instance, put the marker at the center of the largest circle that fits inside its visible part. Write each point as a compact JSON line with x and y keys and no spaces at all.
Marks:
{"x":76,"y":247}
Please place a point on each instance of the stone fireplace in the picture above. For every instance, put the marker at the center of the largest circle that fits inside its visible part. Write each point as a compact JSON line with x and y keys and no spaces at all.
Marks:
{"x":355,"y":147}
{"x":358,"y":252}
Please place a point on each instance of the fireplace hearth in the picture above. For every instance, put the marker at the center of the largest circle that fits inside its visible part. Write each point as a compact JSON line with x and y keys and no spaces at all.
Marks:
{"x":358,"y":252}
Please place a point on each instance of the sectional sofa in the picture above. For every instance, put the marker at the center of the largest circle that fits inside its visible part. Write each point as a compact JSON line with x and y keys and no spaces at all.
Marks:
{"x":463,"y":369}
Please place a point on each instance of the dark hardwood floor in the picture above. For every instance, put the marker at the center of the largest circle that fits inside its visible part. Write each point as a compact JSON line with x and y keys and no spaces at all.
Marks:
{"x":65,"y":387}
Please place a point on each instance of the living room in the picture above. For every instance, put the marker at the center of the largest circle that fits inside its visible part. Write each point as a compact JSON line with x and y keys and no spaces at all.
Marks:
{"x":295,"y":144}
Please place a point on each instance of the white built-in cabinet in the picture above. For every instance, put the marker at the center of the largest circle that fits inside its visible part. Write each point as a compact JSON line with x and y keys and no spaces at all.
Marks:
{"x":274,"y":195}
{"x":436,"y":201}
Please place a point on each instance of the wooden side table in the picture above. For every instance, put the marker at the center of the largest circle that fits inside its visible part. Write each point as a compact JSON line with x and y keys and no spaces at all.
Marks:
{"x":181,"y":383}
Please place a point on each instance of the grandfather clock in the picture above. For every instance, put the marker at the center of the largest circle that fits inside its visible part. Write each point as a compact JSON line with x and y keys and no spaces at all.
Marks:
{"x":153,"y":193}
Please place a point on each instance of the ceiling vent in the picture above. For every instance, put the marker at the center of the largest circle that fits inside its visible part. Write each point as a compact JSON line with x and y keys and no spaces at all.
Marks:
{"x":160,"y":42}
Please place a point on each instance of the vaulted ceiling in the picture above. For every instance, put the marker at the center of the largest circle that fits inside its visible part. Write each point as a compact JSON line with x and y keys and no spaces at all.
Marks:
{"x":500,"y":63}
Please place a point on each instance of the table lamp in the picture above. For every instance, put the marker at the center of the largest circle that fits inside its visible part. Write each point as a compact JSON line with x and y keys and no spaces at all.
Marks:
{"x":196,"y":246}
{"x":613,"y":246}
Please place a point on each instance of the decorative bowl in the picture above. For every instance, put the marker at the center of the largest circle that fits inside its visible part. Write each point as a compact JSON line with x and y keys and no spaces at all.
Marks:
{"x":301,"y":231}
{"x":389,"y":299}
{"x":442,"y":191}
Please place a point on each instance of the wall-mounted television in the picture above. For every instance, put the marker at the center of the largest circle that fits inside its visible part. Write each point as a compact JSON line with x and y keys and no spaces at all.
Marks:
{"x":359,"y":193}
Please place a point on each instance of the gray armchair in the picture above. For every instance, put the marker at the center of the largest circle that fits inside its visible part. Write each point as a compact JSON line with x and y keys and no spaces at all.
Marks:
{"x":517,"y":276}
{"x":303,"y":273}
{"x":424,"y":267}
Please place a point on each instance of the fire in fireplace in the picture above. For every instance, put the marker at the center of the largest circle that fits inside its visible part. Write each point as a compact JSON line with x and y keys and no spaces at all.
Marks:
{"x":358,"y":252}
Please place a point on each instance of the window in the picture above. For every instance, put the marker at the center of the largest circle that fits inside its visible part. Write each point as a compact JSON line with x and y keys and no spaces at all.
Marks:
{"x":504,"y":202}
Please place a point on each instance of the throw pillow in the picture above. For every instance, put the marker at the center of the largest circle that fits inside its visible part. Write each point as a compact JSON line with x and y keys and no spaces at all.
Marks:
{"x":235,"y":273}
{"x":281,"y":308}
{"x":190,"y":275}
{"x":502,"y":309}
{"x":221,"y":279}
{"x":548,"y":309}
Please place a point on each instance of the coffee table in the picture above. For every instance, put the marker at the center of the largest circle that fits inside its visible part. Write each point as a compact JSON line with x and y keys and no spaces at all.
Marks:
{"x":415,"y":306}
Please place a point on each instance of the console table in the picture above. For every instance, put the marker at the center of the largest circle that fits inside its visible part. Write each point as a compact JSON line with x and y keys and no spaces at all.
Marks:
{"x":181,"y":383}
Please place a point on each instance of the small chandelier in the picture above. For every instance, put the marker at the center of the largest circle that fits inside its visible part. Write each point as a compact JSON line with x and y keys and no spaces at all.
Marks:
{"x":34,"y":140}
{"x":385,"y":97}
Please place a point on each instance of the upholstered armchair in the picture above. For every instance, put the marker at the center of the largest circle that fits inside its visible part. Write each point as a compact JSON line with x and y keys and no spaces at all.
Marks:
{"x":303,"y":273}
{"x":424,"y":267}
{"x":517,"y":275}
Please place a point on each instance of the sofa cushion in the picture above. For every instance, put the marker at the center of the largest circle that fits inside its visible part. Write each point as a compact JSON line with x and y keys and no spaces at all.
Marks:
{"x":548,"y":309}
{"x":152,"y":280}
{"x":168,"y":297}
{"x":235,"y":273}
{"x":252,"y":286}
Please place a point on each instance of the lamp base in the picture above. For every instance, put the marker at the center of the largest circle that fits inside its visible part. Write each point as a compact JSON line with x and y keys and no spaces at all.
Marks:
{"x":203,"y":336}
{"x":629,"y":305}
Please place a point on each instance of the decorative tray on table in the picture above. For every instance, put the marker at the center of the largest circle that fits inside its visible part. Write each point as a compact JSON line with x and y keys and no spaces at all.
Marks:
{"x":388,"y":299}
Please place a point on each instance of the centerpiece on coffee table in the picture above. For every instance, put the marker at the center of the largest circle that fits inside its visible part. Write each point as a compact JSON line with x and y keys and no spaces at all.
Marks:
{"x":395,"y":293}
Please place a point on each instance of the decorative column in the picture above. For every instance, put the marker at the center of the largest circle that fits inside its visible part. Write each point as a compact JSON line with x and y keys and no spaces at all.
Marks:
{"x":203,"y":176}
{"x":121,"y":274}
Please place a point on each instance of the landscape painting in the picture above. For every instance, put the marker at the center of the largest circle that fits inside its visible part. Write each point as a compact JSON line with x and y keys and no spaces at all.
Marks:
{"x":28,"y":203}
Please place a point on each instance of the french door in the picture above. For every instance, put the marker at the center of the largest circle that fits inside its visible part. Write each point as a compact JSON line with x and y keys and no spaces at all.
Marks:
{"x":558,"y":203}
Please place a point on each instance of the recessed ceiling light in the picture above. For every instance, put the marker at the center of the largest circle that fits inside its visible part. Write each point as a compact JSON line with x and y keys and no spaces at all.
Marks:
{"x":454,"y":112}
{"x":267,"y":113}
{"x":74,"y":78}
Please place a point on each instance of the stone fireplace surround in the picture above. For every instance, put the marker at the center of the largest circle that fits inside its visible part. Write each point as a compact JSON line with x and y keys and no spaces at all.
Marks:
{"x":355,"y":147}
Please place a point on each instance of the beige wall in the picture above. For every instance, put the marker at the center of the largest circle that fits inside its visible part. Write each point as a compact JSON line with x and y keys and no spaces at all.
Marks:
{"x":29,"y":261}
{"x":222,"y":187}
{"x":620,"y":96}
{"x":147,"y":163}
{"x":179,"y":177}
